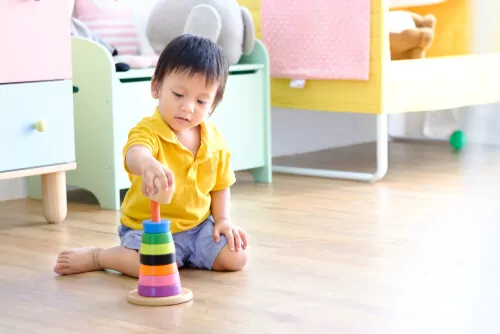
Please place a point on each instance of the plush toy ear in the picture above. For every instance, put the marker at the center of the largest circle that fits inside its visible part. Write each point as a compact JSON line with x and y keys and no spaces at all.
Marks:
{"x":203,"y":20}
{"x":248,"y":31}
{"x":399,"y":20}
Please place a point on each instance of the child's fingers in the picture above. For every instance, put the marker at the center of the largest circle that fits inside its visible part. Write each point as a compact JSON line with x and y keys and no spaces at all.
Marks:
{"x":161,"y":181}
{"x":216,"y":233}
{"x":170,"y":177}
{"x":244,"y":239}
{"x":237,"y":239}
{"x":144,"y":189}
{"x":148,"y":182}
{"x":230,"y":240}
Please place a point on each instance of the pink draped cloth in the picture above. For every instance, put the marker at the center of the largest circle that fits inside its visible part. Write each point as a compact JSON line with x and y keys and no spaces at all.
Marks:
{"x":317,"y":39}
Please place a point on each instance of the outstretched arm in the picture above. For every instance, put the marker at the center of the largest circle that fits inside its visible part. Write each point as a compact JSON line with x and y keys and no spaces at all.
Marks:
{"x":136,"y":157}
{"x":139,"y":158}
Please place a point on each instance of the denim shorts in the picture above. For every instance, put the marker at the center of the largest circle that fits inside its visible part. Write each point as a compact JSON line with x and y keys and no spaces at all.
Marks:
{"x":194,"y":248}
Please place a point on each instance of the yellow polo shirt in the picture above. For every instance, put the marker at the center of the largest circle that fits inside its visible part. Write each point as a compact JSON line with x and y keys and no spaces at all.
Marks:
{"x":194,"y":177}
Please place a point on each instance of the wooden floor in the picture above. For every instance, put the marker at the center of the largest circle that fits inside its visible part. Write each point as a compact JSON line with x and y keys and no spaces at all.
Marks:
{"x":417,"y":252}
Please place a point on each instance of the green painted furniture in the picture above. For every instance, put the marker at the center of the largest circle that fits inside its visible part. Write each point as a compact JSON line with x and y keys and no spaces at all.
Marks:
{"x":109,"y":103}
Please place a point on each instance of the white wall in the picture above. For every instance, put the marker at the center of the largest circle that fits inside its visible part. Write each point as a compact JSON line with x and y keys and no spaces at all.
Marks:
{"x":299,"y":131}
{"x":12,"y":189}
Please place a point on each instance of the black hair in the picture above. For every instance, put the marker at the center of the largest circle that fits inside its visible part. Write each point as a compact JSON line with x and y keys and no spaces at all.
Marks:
{"x":194,"y":54}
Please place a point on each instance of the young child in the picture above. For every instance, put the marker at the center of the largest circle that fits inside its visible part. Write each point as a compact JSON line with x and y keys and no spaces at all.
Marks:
{"x":177,"y":145}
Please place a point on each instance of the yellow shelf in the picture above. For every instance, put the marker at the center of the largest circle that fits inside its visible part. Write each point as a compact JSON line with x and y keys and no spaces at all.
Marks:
{"x":449,"y":77}
{"x":444,"y":83}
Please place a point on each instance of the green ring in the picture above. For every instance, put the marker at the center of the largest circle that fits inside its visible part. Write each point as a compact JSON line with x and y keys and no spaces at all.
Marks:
{"x":157,"y":249}
{"x":157,"y":239}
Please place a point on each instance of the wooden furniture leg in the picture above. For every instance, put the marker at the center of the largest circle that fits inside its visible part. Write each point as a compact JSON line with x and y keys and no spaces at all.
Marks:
{"x":55,"y":205}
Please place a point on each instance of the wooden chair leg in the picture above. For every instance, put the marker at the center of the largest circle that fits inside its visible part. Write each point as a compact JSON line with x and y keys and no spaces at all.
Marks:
{"x":55,"y":204}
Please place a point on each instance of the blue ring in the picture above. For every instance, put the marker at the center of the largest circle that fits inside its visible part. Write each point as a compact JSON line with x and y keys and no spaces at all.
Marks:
{"x":155,"y":228}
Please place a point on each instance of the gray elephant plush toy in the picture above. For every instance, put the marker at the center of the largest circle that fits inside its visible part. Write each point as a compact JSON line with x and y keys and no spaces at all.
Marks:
{"x":223,"y":21}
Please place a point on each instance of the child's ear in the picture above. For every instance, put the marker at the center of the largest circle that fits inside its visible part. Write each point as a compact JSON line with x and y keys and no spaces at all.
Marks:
{"x":155,"y":89}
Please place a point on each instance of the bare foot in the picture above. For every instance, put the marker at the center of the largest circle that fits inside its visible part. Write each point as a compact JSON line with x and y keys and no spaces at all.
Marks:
{"x":77,"y":260}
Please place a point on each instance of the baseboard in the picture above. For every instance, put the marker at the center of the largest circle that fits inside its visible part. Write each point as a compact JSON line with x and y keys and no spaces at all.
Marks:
{"x":13,"y":189}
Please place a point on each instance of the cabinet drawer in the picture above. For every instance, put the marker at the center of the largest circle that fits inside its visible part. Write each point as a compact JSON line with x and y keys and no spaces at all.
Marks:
{"x":36,"y":40}
{"x":22,"y":106}
{"x":241,"y":119}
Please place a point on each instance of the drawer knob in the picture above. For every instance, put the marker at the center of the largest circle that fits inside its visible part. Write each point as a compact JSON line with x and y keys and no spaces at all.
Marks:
{"x":40,"y":126}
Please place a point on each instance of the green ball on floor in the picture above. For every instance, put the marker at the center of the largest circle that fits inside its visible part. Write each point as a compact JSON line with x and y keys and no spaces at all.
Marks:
{"x":458,"y":139}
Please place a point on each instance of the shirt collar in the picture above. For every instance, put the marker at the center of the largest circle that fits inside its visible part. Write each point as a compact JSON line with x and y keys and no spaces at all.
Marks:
{"x":161,"y":128}
{"x":209,"y":140}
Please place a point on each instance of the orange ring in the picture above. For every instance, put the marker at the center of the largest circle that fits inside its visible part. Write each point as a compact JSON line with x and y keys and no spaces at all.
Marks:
{"x":164,"y":270}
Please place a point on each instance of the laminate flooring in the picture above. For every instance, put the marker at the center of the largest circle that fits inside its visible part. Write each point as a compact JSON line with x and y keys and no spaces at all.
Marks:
{"x":413,"y":253}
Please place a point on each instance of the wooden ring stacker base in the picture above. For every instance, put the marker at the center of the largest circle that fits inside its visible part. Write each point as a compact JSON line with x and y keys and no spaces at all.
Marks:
{"x":134,"y":298}
{"x":185,"y":295}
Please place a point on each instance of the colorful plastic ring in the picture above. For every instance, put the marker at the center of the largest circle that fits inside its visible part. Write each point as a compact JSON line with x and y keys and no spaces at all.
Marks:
{"x":157,"y":260}
{"x":151,"y":227}
{"x":159,"y":291}
{"x":157,"y":239}
{"x":157,"y":249}
{"x":164,"y":270}
{"x":145,"y":280}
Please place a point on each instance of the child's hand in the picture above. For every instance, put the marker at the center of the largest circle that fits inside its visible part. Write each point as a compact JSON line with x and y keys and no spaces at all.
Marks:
{"x":236,"y":238}
{"x":155,"y":170}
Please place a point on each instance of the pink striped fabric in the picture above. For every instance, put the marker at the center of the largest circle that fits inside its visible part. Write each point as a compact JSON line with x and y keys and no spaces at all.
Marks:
{"x":111,"y":21}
